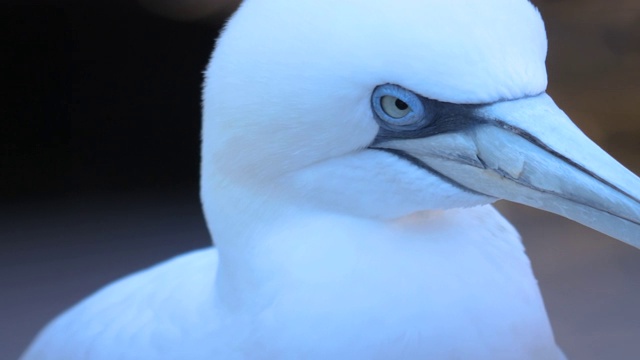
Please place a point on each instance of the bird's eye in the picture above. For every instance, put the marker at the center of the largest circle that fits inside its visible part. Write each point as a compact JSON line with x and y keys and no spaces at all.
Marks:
{"x":397,"y":108}
{"x":394,"y":107}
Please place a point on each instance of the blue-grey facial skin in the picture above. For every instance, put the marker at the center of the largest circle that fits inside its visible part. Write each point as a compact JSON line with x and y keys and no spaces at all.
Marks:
{"x":437,"y":117}
{"x":432,"y":117}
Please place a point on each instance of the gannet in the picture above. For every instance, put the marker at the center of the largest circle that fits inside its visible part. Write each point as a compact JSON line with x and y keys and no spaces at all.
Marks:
{"x":350,"y":154}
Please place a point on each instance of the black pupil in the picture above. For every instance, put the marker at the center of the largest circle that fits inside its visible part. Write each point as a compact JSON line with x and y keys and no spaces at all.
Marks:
{"x":401,"y":104}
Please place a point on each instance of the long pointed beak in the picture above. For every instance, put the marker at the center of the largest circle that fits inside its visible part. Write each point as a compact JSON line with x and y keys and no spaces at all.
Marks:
{"x":528,"y":151}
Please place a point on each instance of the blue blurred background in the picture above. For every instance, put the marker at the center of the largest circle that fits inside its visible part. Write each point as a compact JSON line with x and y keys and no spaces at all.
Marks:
{"x":99,"y":137}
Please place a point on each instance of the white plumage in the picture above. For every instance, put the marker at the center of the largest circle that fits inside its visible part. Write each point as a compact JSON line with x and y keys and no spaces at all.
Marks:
{"x":339,"y":235}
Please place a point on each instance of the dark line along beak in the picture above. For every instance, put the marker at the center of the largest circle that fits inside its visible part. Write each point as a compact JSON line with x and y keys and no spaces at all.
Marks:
{"x":528,"y":151}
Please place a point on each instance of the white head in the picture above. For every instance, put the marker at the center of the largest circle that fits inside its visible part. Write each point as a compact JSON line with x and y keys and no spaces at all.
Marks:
{"x":292,"y":112}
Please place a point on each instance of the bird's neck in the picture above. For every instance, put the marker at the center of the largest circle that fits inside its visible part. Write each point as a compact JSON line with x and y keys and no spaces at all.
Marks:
{"x":241,"y":220}
{"x":264,"y":240}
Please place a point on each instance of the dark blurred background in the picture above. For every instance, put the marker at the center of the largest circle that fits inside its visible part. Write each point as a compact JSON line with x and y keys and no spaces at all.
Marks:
{"x":99,"y":152}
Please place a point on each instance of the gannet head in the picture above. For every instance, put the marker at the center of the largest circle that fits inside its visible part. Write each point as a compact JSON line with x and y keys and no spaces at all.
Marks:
{"x":382,"y":108}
